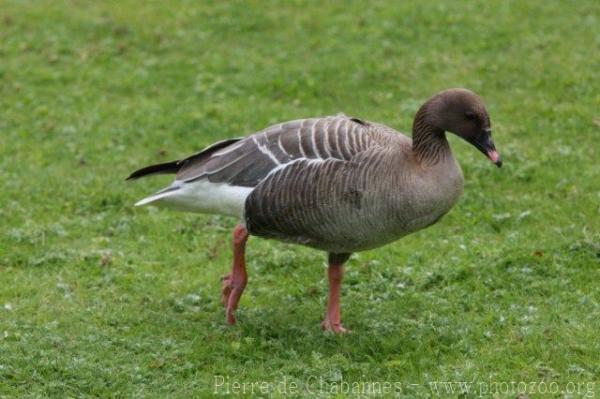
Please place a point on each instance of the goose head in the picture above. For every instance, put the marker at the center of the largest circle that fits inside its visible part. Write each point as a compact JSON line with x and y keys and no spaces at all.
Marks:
{"x":462,"y":112}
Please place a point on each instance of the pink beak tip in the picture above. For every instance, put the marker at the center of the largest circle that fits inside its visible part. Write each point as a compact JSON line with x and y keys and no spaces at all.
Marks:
{"x":495,"y":158}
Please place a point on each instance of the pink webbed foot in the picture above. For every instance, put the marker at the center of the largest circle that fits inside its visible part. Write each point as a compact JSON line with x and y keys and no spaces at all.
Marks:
{"x":234,"y":283}
{"x":337,"y":328}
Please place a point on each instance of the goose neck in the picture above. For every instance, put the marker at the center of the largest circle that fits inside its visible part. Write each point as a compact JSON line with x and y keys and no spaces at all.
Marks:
{"x":430,"y":145}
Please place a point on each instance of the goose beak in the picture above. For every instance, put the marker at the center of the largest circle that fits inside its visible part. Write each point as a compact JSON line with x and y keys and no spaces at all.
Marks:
{"x":485,"y":144}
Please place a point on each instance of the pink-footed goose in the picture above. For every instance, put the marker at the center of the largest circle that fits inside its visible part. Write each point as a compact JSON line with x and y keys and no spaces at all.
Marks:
{"x":335,"y":183}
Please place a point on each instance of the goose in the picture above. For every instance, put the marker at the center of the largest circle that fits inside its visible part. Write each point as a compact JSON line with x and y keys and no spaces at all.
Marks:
{"x":338,"y":184}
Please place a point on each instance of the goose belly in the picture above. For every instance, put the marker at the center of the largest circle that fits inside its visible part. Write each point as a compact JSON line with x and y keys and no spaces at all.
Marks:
{"x":345,"y":224}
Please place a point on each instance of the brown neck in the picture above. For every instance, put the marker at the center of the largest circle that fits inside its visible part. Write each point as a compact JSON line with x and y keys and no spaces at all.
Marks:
{"x":429,"y":142}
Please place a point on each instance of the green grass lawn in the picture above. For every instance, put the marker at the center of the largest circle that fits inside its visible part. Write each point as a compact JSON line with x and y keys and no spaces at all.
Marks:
{"x":98,"y":299}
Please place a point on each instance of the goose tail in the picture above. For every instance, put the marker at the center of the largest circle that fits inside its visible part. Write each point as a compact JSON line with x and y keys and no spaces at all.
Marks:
{"x":157,"y":196}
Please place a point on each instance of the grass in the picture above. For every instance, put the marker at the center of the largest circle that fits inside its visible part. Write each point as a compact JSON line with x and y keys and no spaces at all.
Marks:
{"x":98,"y":299}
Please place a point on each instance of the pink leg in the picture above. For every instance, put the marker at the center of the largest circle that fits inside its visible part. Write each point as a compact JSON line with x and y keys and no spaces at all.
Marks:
{"x":335,"y":273}
{"x":235,"y":282}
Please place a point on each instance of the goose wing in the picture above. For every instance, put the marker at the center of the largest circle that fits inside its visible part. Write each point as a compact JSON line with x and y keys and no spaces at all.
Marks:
{"x":248,"y":161}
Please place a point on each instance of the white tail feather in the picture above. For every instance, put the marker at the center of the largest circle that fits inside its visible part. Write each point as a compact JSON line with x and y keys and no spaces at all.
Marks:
{"x":202,"y":196}
{"x":151,"y":199}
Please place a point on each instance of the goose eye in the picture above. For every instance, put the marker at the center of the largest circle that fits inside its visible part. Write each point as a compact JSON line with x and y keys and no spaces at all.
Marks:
{"x":470,"y":115}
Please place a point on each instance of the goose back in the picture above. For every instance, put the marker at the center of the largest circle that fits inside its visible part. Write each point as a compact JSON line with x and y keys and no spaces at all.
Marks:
{"x":248,"y":161}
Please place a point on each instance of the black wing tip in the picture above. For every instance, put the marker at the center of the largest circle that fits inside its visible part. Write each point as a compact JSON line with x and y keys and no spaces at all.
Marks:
{"x":168,"y":167}
{"x":133,"y":176}
{"x":175,"y":166}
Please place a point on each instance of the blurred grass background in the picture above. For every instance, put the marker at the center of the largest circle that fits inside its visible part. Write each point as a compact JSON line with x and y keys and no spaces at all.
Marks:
{"x":100,"y":299}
